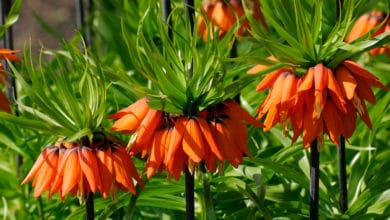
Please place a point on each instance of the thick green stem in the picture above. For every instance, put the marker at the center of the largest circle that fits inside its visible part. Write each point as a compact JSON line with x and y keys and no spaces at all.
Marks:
{"x":314,"y":180}
{"x":89,"y":207}
{"x":86,"y":31}
{"x":343,"y":200}
{"x":206,"y":200}
{"x":190,"y":200}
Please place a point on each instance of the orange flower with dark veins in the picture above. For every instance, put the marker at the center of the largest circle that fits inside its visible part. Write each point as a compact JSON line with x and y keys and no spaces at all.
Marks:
{"x":6,"y":54}
{"x":79,"y":170}
{"x":178,"y":142}
{"x":319,"y":102}
{"x":223,"y":15}
{"x":368,"y":22}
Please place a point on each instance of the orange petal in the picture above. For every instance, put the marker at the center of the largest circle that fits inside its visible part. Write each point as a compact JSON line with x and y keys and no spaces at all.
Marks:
{"x":364,"y":115}
{"x":156,"y":156}
{"x":106,"y":169}
{"x":336,"y":92}
{"x":176,"y":138}
{"x":72,"y":171}
{"x":4,"y":103}
{"x":241,"y":134}
{"x":139,"y":108}
{"x":275,"y":94}
{"x":218,"y":16}
{"x":177,"y":164}
{"x":312,"y":128}
{"x":270,"y":79}
{"x":89,"y":167}
{"x":332,"y":121}
{"x":346,"y":81}
{"x":359,"y":70}
{"x":364,"y":91}
{"x":122,"y":168}
{"x":37,"y":165}
{"x":359,"y":28}
{"x":47,"y":173}
{"x":319,"y":103}
{"x":227,"y":146}
{"x":146,"y":131}
{"x":264,"y":107}
{"x":127,"y":123}
{"x":207,"y":134}
{"x":349,"y":121}
{"x":272,"y":118}
{"x":297,"y":117}
{"x":9,"y":54}
{"x":234,"y":110}
{"x":193,"y":144}
{"x":57,"y":182}
{"x":289,"y":92}
{"x":210,"y":158}
{"x":307,"y":80}
{"x":320,"y":77}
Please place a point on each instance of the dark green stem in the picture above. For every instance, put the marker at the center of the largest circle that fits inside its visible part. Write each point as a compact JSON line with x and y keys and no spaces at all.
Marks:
{"x":207,"y":206}
{"x":190,"y":200}
{"x":233,"y":54}
{"x":89,"y":207}
{"x":166,"y":11}
{"x":131,"y":207}
{"x":189,"y":4}
{"x":86,"y":32}
{"x":133,"y":200}
{"x":40,"y":209}
{"x":314,"y":179}
{"x":343,"y":200}
{"x":8,"y":43}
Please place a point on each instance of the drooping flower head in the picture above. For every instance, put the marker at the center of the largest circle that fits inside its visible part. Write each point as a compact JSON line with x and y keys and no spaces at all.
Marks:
{"x":368,"y":22}
{"x":77,"y":169}
{"x":318,"y":90}
{"x":71,"y":104}
{"x":188,"y":117}
{"x":223,"y":16}
{"x":320,"y":102}
{"x":175,"y":142}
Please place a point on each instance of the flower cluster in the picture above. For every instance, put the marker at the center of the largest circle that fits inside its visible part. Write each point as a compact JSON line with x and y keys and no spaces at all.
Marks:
{"x":176,"y":142}
{"x":76,"y":169}
{"x":321,"y":101}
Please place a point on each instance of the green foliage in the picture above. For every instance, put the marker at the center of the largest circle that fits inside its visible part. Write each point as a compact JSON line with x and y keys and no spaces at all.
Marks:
{"x":64,"y":97}
{"x":12,"y":16}
{"x":69,"y":93}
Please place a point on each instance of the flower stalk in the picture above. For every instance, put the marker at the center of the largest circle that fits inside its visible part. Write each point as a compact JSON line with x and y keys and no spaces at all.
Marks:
{"x":189,"y":177}
{"x":166,"y":10}
{"x":89,"y":207}
{"x":343,"y":200}
{"x":80,"y":21}
{"x":314,"y":179}
{"x":190,"y":208}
